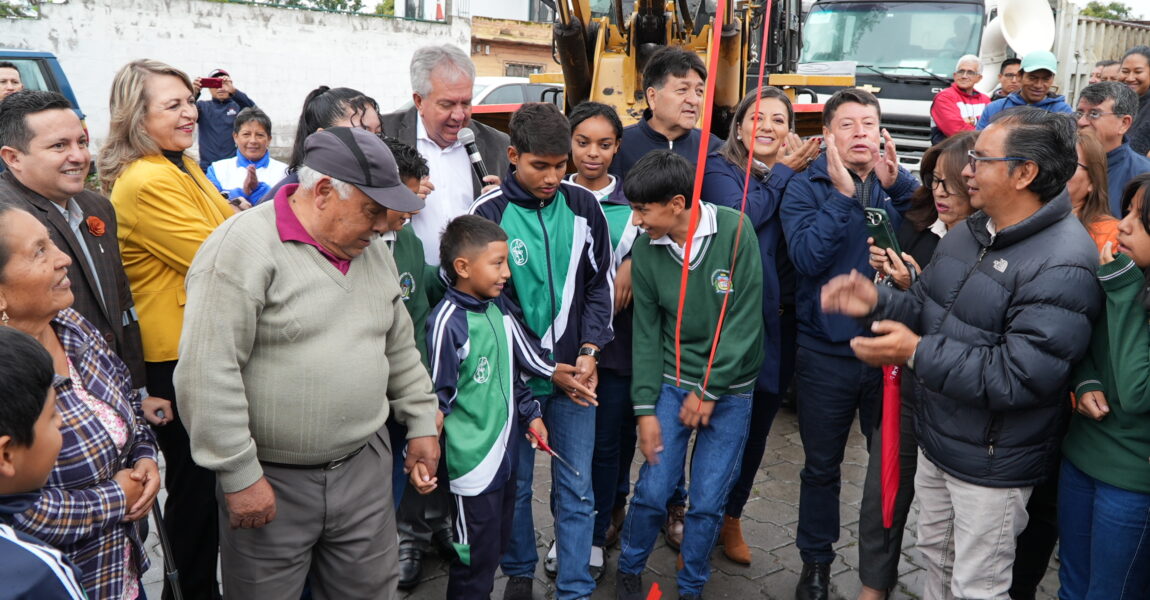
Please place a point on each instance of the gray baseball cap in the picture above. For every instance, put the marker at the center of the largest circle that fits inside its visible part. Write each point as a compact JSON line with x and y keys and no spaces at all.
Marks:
{"x":362,"y":159}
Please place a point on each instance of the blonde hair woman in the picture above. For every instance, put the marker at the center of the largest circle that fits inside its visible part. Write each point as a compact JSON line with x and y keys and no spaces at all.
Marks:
{"x":165,"y":208}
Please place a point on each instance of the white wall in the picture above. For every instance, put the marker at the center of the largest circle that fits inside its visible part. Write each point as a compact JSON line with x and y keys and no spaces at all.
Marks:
{"x":275,"y":55}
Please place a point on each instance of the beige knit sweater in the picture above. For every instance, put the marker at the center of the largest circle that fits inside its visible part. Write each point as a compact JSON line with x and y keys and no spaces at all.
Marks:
{"x":285,"y":359}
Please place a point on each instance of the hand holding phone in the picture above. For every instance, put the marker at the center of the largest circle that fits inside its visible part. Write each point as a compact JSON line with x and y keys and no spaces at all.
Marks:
{"x":211,"y":82}
{"x":880,"y":228}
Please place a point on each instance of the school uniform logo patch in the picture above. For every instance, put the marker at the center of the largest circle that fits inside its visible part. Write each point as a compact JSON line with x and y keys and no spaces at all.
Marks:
{"x":482,"y":371}
{"x":406,"y":286}
{"x":721,"y":281}
{"x":518,"y":251}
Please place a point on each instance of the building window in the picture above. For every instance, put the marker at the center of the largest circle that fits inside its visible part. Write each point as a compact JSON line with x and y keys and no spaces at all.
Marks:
{"x":521,"y":69}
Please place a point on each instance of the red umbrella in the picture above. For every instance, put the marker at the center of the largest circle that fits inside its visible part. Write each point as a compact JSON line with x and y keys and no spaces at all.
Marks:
{"x":891,"y":409}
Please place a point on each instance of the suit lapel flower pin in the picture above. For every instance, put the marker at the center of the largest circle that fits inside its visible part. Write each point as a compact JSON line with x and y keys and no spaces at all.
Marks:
{"x":95,"y":226}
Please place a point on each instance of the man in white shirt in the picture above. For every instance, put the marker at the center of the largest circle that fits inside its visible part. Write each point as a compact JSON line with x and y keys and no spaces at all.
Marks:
{"x":442,"y":78}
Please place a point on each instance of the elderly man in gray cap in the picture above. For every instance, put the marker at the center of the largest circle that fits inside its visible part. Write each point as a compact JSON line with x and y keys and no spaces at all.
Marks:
{"x":296,"y":347}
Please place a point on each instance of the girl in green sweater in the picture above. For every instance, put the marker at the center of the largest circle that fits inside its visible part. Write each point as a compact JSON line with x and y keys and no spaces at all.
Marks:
{"x":1104,"y":492}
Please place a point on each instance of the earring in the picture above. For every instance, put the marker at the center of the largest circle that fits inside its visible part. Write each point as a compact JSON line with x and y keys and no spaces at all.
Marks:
{"x":4,"y":318}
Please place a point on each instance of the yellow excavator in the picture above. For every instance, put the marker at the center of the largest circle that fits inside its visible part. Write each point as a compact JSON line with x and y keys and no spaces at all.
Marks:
{"x":602,"y":49}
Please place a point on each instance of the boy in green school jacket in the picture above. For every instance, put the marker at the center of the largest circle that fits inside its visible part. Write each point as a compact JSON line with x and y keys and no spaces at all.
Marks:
{"x":712,"y":396}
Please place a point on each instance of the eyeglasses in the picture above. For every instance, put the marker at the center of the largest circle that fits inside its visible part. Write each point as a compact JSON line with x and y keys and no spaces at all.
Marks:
{"x":1093,"y":115}
{"x":1083,"y":166}
{"x":939,"y":182}
{"x":973,"y":159}
{"x":965,"y":73}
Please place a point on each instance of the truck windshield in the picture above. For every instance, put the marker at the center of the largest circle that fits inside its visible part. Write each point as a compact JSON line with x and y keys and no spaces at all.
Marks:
{"x":896,"y":38}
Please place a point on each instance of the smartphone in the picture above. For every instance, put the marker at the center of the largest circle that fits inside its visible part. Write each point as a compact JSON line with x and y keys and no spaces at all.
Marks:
{"x":211,"y":82}
{"x":878,"y":224}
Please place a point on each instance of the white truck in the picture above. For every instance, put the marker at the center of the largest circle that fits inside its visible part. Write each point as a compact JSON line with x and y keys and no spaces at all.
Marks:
{"x":905,"y":50}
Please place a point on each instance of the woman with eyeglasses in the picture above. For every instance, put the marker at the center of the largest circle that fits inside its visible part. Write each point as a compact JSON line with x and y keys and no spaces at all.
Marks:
{"x":1088,"y":191}
{"x":940,"y":204}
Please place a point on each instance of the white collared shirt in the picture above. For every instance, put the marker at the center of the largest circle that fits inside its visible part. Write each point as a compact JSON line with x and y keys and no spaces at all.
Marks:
{"x":453,"y":194}
{"x":708,"y":226}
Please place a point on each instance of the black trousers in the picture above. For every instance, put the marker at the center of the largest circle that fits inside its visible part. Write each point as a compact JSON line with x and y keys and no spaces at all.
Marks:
{"x":1035,"y":544}
{"x":190,"y":513}
{"x":482,"y":533}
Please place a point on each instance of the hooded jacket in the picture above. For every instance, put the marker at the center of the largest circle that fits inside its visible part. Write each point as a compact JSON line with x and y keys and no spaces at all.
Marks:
{"x":1055,"y":104}
{"x":30,"y":568}
{"x":1003,"y":318}
{"x":562,"y":268}
{"x":826,"y":236}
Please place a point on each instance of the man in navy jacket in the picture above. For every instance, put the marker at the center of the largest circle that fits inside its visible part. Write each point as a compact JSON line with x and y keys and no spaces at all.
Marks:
{"x":217,"y":116}
{"x":1107,"y":108}
{"x":825,"y":227}
{"x":674,"y":80}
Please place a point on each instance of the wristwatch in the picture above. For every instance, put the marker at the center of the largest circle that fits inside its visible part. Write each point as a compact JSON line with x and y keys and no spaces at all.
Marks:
{"x":589,"y":351}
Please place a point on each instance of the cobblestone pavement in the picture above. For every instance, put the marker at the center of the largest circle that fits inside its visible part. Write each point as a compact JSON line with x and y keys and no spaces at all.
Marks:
{"x":769,"y":523}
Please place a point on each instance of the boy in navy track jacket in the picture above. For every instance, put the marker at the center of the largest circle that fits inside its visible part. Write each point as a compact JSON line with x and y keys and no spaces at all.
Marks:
{"x":29,"y":443}
{"x":477,"y":351}
{"x":562,"y":283}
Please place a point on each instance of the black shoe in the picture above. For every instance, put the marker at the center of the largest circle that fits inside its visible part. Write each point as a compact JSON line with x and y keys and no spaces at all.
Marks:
{"x":597,"y":572}
{"x":673,"y":528}
{"x":442,"y":542}
{"x":628,"y":586}
{"x":518,"y":588}
{"x":410,"y":566}
{"x":815,"y":582}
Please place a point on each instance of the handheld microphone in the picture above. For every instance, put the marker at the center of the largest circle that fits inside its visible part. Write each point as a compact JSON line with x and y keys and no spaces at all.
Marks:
{"x":467,"y":136}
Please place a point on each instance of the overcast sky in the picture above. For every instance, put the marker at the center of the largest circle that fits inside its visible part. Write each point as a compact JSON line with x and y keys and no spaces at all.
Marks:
{"x":1141,"y":7}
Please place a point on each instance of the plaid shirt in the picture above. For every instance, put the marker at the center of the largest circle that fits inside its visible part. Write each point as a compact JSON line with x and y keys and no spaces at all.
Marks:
{"x":81,"y":509}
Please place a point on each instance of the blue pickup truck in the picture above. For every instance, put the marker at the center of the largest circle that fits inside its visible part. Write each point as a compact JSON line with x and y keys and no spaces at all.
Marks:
{"x":41,"y":71}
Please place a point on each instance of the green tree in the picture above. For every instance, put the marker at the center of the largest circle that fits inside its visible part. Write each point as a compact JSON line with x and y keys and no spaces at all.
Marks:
{"x":1114,"y":10}
{"x":17,"y":9}
{"x":387,"y":7}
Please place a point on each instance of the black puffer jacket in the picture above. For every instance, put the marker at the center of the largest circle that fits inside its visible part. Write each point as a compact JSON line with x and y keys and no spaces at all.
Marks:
{"x":1002,"y":321}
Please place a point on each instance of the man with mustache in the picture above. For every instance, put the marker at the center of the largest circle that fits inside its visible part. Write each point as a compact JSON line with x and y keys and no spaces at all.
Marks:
{"x":45,"y":148}
{"x":825,"y":226}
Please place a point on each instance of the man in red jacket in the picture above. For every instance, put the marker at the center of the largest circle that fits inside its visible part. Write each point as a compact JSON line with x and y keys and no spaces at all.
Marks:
{"x":958,"y":107}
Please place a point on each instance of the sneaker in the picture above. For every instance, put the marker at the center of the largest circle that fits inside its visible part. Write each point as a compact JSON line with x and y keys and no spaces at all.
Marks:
{"x":595,"y":566}
{"x":518,"y":588}
{"x":628,"y":586}
{"x":673,"y":528}
{"x":551,"y":563}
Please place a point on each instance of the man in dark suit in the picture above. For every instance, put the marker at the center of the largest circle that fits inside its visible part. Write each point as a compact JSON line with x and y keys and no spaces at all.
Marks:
{"x":442,"y":78}
{"x":45,"y":148}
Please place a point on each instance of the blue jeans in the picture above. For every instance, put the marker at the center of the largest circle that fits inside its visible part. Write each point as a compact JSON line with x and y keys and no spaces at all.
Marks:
{"x":572,"y":431}
{"x":613,"y":413}
{"x":1105,"y":546}
{"x":718,"y":450}
{"x":830,"y":389}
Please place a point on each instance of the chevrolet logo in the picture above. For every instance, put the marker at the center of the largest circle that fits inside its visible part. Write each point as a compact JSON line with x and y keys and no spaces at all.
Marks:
{"x":870,"y":88}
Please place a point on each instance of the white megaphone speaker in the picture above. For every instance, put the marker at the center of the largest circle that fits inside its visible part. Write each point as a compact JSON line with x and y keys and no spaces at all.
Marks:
{"x":1023,"y":26}
{"x":1027,"y":25}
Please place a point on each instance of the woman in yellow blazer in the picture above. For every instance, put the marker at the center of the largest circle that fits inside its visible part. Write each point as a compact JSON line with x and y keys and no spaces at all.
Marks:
{"x":165,"y":208}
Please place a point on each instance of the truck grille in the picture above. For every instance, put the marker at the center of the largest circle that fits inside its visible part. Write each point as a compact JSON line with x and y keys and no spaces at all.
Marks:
{"x":911,"y":136}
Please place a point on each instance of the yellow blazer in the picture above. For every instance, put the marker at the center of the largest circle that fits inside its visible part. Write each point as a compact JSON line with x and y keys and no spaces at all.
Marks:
{"x":163,"y":216}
